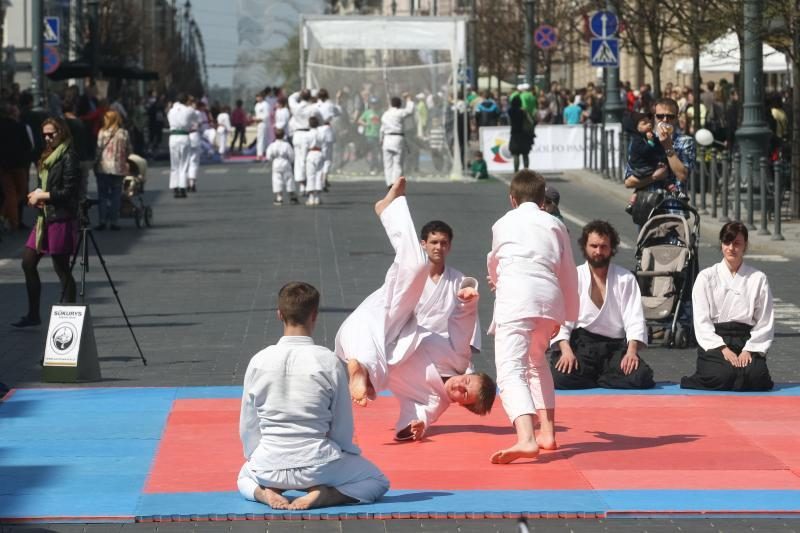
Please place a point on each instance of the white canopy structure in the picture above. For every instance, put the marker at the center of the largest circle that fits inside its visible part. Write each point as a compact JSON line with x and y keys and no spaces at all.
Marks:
{"x":368,"y":60}
{"x":722,"y":55}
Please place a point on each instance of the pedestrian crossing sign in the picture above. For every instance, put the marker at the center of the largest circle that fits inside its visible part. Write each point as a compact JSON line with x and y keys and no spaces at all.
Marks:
{"x":604,"y":53}
{"x":51,"y":31}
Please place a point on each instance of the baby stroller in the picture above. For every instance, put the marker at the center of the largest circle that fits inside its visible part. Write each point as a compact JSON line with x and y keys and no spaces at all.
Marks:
{"x":666,"y":267}
{"x":132,"y":203}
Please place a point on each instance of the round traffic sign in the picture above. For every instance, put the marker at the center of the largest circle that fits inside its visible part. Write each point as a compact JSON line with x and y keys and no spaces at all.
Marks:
{"x":50,"y":59}
{"x":545,"y":36}
{"x":604,"y":24}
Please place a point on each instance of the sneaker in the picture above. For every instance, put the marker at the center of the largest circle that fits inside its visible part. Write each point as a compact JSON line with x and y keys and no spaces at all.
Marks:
{"x":278,"y":200}
{"x":26,"y":322}
{"x":310,"y":201}
{"x":293,"y":200}
{"x":629,"y":208}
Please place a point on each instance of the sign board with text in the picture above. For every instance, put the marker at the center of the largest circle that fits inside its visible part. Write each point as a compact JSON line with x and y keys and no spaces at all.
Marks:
{"x":70,"y":352}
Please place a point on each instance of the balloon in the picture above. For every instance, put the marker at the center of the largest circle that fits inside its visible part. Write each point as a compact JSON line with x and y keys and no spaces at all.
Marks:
{"x":704,"y":137}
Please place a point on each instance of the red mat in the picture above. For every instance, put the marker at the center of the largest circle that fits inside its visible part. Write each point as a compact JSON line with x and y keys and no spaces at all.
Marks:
{"x":607,"y":442}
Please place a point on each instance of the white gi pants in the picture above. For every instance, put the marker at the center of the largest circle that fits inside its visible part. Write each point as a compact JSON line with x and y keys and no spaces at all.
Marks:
{"x":352,"y":475}
{"x":222,"y":141}
{"x":314,"y":161}
{"x":392,"y":158}
{"x":378,"y":321}
{"x":523,"y":374}
{"x":194,"y":154}
{"x":178,"y":161}
{"x":261,"y":139}
{"x":327,"y":149}
{"x":300,"y":145}
{"x":282,"y":179}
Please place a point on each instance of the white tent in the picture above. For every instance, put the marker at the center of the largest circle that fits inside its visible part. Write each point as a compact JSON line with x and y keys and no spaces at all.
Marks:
{"x":722,"y":55}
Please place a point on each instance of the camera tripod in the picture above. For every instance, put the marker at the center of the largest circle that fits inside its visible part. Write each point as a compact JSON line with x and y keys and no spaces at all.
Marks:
{"x":84,"y":238}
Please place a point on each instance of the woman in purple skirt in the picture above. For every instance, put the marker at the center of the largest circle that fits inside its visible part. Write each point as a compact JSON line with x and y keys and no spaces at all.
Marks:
{"x":55,"y":233}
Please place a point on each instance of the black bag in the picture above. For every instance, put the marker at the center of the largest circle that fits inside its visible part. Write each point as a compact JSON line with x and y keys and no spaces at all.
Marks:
{"x":644,"y":204}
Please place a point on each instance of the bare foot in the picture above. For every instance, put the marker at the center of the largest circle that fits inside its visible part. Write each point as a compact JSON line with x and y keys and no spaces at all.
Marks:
{"x":520,"y":450}
{"x":546,"y":443}
{"x":320,"y":497}
{"x":360,"y":387}
{"x":661,"y":172}
{"x":271,"y":497}
{"x":396,"y":190}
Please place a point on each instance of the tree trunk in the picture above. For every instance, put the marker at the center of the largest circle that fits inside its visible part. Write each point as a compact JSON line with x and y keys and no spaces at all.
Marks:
{"x":656,"y":70}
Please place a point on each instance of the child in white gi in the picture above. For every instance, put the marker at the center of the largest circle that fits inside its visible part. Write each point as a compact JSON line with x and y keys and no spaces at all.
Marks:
{"x":533,"y":273}
{"x":281,"y":154}
{"x":296,"y":422}
{"x":315,"y":139}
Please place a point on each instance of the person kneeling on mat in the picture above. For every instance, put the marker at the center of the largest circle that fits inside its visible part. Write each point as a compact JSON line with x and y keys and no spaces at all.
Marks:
{"x":296,"y":422}
{"x":602,"y":348}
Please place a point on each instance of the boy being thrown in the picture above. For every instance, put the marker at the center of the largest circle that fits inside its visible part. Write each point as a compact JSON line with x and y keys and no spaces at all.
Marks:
{"x":533,"y":274}
{"x":382,"y":331}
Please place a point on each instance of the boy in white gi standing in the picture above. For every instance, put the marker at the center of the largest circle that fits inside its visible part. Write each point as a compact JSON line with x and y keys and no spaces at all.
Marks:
{"x":533,"y":273}
{"x":392,"y":137}
{"x":296,"y":422}
{"x":281,"y":155}
{"x":261,"y":114}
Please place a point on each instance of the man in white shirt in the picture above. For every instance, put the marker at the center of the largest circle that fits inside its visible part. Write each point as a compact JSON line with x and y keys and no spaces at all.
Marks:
{"x":261,"y":114}
{"x":601,"y":349}
{"x":296,"y":421}
{"x":302,"y":109}
{"x":392,"y":135}
{"x":181,"y":120}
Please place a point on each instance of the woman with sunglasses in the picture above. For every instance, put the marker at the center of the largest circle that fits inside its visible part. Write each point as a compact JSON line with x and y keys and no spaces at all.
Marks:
{"x":56,"y":230}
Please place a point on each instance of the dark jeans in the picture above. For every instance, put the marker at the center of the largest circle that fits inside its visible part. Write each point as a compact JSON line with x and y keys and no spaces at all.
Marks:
{"x":109,"y":192}
{"x":238,"y":133}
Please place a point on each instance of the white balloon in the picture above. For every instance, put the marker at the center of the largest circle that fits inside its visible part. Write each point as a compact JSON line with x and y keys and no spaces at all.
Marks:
{"x":704,"y":137}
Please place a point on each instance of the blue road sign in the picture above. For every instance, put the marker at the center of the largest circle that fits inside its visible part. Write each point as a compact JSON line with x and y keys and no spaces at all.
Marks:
{"x":604,"y":53}
{"x":50,"y":59}
{"x":604,"y":24}
{"x":545,"y":36}
{"x":465,"y":76}
{"x":52,"y":30}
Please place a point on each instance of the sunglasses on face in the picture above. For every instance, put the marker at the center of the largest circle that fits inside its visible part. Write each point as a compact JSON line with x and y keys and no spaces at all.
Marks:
{"x":665,"y":116}
{"x":48,"y":134}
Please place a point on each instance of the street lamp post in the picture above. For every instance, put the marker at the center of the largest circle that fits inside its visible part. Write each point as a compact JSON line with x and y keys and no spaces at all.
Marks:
{"x":37,"y":70}
{"x":753,"y":135}
{"x":530,"y":14}
{"x":613,"y":108}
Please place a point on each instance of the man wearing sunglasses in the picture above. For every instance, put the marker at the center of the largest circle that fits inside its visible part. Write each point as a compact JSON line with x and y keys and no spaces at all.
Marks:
{"x":679,"y":148}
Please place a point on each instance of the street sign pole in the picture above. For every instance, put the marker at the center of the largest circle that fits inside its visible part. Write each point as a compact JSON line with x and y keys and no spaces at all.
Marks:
{"x":613,"y":108}
{"x":37,"y":72}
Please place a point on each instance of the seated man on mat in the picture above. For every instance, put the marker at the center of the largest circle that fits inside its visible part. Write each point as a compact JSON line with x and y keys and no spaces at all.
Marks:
{"x":383,"y":331}
{"x":602,"y":348}
{"x":734,"y":320}
{"x":296,"y":422}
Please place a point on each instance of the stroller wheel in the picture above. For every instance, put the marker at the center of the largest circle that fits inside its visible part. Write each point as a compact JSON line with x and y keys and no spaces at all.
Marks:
{"x":681,"y":338}
{"x":148,"y":216}
{"x":668,"y":339}
{"x":137,"y":217}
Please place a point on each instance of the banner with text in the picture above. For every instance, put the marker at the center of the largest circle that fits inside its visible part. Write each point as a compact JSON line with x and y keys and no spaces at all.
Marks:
{"x":556,"y":147}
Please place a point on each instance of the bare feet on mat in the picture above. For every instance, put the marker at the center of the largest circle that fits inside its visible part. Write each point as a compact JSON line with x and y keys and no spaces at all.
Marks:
{"x":271,"y":497}
{"x":521,"y":450}
{"x":396,"y":190}
{"x":320,"y":497}
{"x":361,"y":389}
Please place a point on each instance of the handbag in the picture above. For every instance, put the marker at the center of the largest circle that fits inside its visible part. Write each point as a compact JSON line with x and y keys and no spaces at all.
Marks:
{"x":644,"y":204}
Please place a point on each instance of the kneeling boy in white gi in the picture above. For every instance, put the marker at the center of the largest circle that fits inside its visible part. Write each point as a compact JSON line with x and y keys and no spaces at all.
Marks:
{"x":296,"y":422}
{"x":281,"y":155}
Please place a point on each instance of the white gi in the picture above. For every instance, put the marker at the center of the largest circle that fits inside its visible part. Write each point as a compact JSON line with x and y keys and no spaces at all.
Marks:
{"x":301,"y":112}
{"x":415,"y":379}
{"x":536,"y":283}
{"x":281,"y":154}
{"x":181,"y":120}
{"x":261,"y":114}
{"x":315,"y":139}
{"x":195,"y":144}
{"x":282,"y":116}
{"x":327,"y":111}
{"x":223,"y":128}
{"x":381,"y":330}
{"x":745,"y":297}
{"x":622,"y":315}
{"x":392,"y":143}
{"x":296,"y":424}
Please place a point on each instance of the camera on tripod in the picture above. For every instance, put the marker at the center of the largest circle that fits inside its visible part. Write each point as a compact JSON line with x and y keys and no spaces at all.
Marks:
{"x":84,"y":205}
